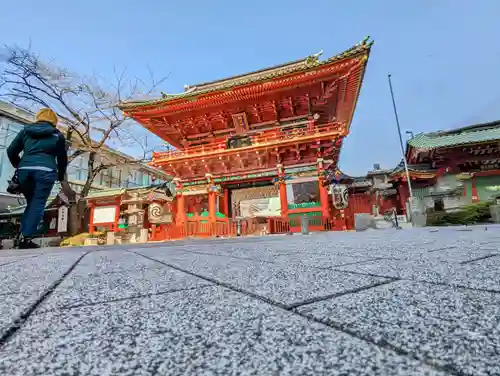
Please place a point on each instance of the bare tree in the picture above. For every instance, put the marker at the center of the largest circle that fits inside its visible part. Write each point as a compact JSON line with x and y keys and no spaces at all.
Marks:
{"x":86,"y":106}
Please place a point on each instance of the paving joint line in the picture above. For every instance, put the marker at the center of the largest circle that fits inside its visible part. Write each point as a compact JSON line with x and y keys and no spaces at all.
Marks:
{"x":278,"y":263}
{"x":347,"y":264}
{"x":339,"y":294}
{"x":365,"y":274}
{"x":24,"y":316}
{"x":381,"y":343}
{"x":217,"y":282}
{"x":21,"y":259}
{"x":479,"y":259}
{"x":228,"y":256}
{"x":340,"y":328}
{"x":442,"y":249}
{"x":133,"y":297}
{"x":491,"y":291}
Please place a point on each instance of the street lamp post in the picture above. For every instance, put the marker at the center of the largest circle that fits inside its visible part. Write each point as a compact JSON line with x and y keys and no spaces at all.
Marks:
{"x":400,"y":138}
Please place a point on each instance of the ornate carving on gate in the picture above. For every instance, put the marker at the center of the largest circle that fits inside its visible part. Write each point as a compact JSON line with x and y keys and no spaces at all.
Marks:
{"x":158,"y":214}
{"x":340,"y":196}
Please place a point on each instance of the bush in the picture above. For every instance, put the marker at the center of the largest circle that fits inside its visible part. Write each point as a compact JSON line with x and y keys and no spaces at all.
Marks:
{"x":79,"y":240}
{"x":468,"y":215}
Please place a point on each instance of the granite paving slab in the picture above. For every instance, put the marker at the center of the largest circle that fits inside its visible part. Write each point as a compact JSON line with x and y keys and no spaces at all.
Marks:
{"x":257,"y":249}
{"x":321,"y":260}
{"x":113,"y":262}
{"x":35,"y":273}
{"x":459,"y":329}
{"x":12,"y":306}
{"x":480,"y":274}
{"x":10,"y":259}
{"x":78,"y":289}
{"x":425,"y":270}
{"x":209,"y":331}
{"x":284,"y":284}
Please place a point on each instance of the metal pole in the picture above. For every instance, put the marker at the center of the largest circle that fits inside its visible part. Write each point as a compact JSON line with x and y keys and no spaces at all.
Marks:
{"x":400,"y":137}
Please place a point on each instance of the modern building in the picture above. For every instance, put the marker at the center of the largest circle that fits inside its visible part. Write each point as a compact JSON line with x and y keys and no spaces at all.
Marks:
{"x":127,"y":173}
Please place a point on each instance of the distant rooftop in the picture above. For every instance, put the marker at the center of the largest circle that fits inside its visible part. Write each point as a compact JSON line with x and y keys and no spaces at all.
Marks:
{"x":471,"y":134}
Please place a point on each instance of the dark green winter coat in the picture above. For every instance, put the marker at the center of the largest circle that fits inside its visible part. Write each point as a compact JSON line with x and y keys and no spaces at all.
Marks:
{"x":42,"y":145}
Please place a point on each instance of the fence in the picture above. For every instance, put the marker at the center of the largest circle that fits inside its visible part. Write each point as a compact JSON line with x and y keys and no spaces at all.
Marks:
{"x":294,"y":225}
{"x":203,"y":229}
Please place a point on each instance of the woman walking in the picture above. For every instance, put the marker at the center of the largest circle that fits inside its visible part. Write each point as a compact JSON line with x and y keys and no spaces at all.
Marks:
{"x":44,"y":160}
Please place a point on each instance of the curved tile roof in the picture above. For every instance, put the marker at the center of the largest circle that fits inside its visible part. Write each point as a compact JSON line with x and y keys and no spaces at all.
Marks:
{"x":455,"y":138}
{"x":309,"y":62}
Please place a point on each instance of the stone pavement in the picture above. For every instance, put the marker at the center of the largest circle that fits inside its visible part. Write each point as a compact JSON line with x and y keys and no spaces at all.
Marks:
{"x":409,"y":302}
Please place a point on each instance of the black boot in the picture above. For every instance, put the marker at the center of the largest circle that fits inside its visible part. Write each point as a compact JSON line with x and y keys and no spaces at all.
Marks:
{"x":27,"y":243}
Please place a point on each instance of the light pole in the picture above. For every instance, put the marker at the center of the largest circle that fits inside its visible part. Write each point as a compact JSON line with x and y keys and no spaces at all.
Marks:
{"x":400,"y":137}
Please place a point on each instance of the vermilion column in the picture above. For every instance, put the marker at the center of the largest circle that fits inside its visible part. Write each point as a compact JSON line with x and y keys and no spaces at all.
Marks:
{"x":323,"y":197}
{"x":91,"y":220}
{"x":323,"y":190}
{"x":117,"y":215}
{"x":181,"y":210}
{"x":226,"y":202}
{"x":212,"y":198}
{"x":283,"y":199}
{"x":282,"y":191}
{"x":403,"y":195}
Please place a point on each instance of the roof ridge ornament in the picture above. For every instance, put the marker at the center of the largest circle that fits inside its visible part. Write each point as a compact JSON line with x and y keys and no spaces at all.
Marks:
{"x":188,"y":89}
{"x":313,"y":59}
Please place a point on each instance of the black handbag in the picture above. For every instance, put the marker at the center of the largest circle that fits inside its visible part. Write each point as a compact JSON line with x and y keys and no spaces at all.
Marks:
{"x":14,"y":187}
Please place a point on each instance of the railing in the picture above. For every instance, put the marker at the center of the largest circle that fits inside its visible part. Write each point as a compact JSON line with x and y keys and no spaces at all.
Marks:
{"x":266,"y":138}
{"x":291,"y":225}
{"x":278,"y":226}
{"x":202,"y":229}
{"x":245,"y":227}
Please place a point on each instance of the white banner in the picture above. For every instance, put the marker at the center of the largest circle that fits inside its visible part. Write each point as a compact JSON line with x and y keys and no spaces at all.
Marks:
{"x":62,"y":219}
{"x":261,"y":207}
{"x":104,"y":214}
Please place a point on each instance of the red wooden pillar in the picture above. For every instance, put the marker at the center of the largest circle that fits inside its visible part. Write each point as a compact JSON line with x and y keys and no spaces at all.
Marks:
{"x":282,"y":191}
{"x":91,"y":219}
{"x":181,"y":210}
{"x":212,"y":198}
{"x":403,"y":195}
{"x":212,"y":203}
{"x":324,"y":197}
{"x":117,"y":216}
{"x":226,"y":202}
{"x":283,"y":199}
{"x":323,"y":190}
{"x":475,"y":197}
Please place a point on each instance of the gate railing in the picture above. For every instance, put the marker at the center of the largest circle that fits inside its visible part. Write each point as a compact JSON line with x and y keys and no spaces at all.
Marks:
{"x":203,"y":229}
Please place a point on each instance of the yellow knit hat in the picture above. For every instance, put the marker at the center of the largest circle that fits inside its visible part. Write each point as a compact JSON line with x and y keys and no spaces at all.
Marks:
{"x":46,"y":114}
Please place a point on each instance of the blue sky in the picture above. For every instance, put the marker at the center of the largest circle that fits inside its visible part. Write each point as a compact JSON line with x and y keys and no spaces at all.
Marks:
{"x":444,"y":55}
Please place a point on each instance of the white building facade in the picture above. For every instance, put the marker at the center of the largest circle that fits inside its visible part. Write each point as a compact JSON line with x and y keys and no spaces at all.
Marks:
{"x":127,"y":174}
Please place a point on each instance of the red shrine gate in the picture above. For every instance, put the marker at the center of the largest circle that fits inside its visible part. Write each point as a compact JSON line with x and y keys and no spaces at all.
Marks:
{"x":278,"y":126}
